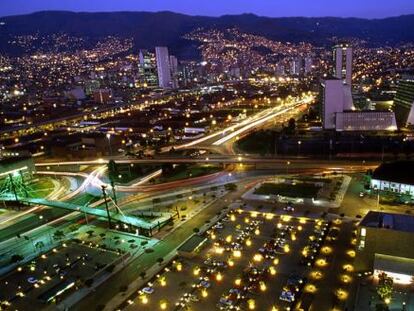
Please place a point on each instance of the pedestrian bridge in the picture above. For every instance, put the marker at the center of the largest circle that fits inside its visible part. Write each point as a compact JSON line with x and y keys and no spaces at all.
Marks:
{"x":134,"y":221}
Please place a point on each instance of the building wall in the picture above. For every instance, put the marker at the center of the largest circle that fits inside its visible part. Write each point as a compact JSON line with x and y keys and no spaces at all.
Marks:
{"x":392,"y":186}
{"x":403,"y":101}
{"x":382,"y":241}
{"x":163,"y":67}
{"x":343,"y":63}
{"x":365,"y":121}
{"x":332,"y":101}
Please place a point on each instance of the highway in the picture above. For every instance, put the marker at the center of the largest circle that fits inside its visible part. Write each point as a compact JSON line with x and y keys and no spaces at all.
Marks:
{"x":245,"y":174}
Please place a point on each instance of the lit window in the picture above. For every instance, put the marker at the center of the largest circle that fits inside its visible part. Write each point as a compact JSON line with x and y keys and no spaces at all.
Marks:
{"x":363,"y":232}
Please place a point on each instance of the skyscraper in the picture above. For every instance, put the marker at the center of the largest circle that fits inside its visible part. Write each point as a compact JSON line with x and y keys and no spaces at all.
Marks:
{"x":163,"y":67}
{"x":308,"y":64}
{"x":404,"y":102}
{"x":174,"y":71}
{"x":296,"y":66}
{"x":147,"y":69}
{"x":332,"y":101}
{"x":342,"y":54}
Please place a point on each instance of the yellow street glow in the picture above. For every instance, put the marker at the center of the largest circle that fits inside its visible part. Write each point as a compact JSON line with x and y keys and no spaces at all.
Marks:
{"x":258,"y":257}
{"x":237,"y":253}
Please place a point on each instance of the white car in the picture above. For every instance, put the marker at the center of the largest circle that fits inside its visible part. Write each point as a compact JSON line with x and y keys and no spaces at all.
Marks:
{"x":148,"y":290}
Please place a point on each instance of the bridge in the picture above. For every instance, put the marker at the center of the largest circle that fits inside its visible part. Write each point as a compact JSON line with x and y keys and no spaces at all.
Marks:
{"x":133,"y":221}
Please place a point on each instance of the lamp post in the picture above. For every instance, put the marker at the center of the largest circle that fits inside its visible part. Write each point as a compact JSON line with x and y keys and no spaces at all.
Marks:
{"x":108,"y":136}
{"x":114,"y":193}
{"x":106,"y":206}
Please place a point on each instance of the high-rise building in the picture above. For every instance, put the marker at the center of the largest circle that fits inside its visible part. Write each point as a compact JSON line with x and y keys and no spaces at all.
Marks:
{"x":296,"y":66}
{"x":332,"y":102}
{"x":174,"y":71}
{"x":163,"y":67}
{"x":342,"y":55}
{"x":147,"y":69}
{"x":404,"y":102}
{"x":337,"y":108}
{"x":308,"y":64}
{"x":339,"y":114}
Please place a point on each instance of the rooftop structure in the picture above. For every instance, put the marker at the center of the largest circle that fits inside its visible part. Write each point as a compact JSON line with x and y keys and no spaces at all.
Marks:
{"x":396,"y":222}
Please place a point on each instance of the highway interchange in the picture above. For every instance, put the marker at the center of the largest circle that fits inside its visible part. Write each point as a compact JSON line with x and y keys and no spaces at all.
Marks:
{"x":242,"y":169}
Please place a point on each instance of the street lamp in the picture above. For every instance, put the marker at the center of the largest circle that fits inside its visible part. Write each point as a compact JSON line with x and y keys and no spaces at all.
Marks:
{"x":287,"y":167}
{"x":108,"y":136}
{"x":106,"y":206}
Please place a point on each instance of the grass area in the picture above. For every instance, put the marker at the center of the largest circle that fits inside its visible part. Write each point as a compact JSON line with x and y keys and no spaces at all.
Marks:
{"x":391,"y":198}
{"x":299,"y":190}
{"x":315,"y":180}
{"x":84,"y":199}
{"x":126,"y":173}
{"x":41,"y":188}
{"x":261,"y":142}
{"x":180,"y":172}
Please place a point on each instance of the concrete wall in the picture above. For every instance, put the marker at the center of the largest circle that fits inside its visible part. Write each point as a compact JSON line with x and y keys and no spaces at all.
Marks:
{"x":382,"y":241}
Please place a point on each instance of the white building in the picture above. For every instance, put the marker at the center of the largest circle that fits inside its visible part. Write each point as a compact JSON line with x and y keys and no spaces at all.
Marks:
{"x":365,"y":121}
{"x":338,"y":111}
{"x":394,"y":177}
{"x":336,"y":98}
{"x":163,"y":67}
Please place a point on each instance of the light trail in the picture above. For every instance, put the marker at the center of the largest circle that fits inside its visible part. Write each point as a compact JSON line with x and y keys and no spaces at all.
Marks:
{"x":259,"y":122}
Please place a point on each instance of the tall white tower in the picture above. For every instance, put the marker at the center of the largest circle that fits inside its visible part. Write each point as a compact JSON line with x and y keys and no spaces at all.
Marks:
{"x":163,"y":67}
{"x":342,"y":55}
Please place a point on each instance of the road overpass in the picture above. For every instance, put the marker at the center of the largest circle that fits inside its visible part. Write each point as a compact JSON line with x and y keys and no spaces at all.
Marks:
{"x":222,"y":159}
{"x":119,"y":217}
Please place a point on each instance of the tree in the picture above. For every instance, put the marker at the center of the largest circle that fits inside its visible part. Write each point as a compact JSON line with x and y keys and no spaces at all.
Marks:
{"x":384,"y":288}
{"x":39,"y":244}
{"x":230,"y":187}
{"x":59,"y":234}
{"x":89,"y":282}
{"x":291,"y":127}
{"x":112,"y":170}
{"x":167,"y":169}
{"x":16,"y":258}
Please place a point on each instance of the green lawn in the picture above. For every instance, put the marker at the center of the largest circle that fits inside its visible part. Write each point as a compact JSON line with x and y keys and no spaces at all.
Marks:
{"x":40,"y":188}
{"x":299,"y":190}
{"x":83,"y":199}
{"x":126,"y":173}
{"x":187,"y":171}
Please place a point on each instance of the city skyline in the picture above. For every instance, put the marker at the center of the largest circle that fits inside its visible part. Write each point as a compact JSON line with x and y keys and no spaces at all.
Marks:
{"x":369,"y":9}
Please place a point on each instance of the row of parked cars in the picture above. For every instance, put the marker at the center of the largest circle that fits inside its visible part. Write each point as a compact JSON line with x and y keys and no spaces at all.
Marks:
{"x":315,"y":242}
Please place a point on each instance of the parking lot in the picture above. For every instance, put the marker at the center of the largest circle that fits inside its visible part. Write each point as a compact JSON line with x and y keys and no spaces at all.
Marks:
{"x":53,"y":276}
{"x":250,"y":260}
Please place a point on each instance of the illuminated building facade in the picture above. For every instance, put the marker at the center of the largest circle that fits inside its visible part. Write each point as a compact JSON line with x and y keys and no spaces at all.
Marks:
{"x":385,"y":246}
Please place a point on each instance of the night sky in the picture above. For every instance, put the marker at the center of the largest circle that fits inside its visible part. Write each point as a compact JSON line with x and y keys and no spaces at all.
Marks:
{"x":276,"y":8}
